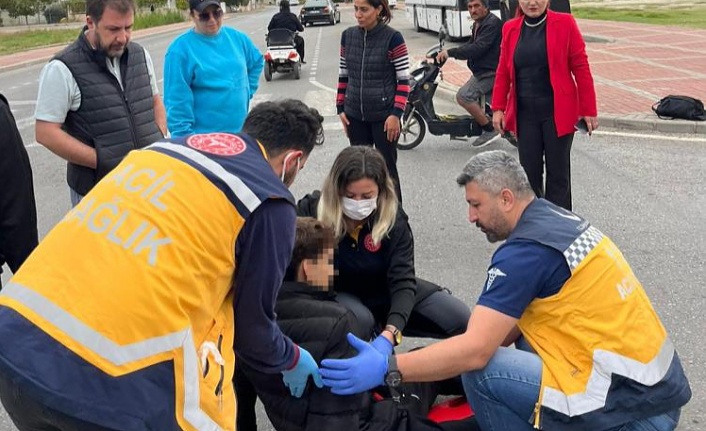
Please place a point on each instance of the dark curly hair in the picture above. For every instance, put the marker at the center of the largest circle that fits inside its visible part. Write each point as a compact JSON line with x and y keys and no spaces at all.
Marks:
{"x":285,"y":125}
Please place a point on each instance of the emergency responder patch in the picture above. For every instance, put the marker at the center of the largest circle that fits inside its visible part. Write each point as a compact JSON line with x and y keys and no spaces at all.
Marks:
{"x":370,"y":244}
{"x":221,"y":144}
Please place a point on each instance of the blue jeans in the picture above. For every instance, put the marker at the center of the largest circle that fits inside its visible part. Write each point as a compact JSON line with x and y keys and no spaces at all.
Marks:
{"x":504,"y":393}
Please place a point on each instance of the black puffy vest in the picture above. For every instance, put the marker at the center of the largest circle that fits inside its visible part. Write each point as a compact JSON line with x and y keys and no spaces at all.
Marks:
{"x":372,"y":81}
{"x":110,"y":119}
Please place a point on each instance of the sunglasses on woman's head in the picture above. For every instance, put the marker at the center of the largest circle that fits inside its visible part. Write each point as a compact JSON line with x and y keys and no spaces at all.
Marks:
{"x":205,"y":16}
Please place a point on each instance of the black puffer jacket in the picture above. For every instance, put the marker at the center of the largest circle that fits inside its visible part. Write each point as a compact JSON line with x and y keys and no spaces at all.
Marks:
{"x":313,"y":320}
{"x":318,"y":324}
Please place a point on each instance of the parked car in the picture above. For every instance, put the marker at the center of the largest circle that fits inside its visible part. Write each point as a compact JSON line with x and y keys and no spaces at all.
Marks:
{"x":392,"y":3}
{"x":315,"y":11}
{"x":294,"y":2}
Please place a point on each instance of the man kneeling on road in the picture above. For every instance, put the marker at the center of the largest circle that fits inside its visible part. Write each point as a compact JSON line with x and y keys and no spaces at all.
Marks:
{"x":481,"y":54}
{"x":591,"y":352}
{"x":124,"y":317}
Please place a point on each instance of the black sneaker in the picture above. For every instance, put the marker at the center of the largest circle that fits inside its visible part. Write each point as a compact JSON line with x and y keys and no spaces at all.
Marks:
{"x":485,"y":138}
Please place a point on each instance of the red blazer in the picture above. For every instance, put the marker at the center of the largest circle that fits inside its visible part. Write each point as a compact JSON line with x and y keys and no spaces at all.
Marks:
{"x":574,"y":96}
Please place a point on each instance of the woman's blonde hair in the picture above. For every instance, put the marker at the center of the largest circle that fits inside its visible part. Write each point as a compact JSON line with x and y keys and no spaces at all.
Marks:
{"x":353,"y":164}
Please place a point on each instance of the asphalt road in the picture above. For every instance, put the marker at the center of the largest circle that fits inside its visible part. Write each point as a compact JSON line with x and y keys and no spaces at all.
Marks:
{"x":643,"y":191}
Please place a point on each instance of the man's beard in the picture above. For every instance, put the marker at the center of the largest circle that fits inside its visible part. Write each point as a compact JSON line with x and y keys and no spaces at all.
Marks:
{"x":108,"y":51}
{"x":499,"y":231}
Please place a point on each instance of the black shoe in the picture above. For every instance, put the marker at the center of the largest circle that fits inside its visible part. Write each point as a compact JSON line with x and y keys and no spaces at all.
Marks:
{"x":485,"y":138}
{"x":303,"y":62}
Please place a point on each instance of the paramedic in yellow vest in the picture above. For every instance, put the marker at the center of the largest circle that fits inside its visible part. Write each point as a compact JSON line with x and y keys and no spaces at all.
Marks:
{"x":591,"y":354}
{"x":125,"y":315}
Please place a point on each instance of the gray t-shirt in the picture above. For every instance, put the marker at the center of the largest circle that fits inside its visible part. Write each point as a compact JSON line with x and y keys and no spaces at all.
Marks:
{"x":59,"y":92}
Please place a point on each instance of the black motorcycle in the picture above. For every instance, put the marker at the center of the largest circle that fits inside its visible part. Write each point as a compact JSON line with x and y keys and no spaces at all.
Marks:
{"x":419,"y":114}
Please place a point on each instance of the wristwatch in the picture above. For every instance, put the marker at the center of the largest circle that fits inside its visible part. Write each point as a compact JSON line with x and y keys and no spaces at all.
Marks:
{"x":393,"y":378}
{"x":396,"y":334}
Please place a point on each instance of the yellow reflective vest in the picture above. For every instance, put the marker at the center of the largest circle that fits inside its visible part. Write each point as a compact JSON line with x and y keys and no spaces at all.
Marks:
{"x":607,"y":358}
{"x":123,"y":315}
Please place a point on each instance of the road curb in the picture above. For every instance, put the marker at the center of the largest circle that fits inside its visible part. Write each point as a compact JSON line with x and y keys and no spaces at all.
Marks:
{"x":634,"y":122}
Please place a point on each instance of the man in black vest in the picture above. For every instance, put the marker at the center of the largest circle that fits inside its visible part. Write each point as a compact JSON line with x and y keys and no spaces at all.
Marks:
{"x":18,"y":211}
{"x":98,"y":98}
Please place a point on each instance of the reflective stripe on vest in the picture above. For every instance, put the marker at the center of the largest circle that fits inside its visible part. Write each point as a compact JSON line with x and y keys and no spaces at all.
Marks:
{"x":605,"y":364}
{"x":119,"y":355}
{"x":236,"y":185}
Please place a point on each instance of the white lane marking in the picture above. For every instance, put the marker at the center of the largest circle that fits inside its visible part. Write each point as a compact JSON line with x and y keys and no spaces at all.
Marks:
{"x":648,"y":136}
{"x":315,"y":63}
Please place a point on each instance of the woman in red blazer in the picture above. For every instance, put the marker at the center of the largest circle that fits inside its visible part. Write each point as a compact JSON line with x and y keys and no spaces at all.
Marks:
{"x":543,"y":86}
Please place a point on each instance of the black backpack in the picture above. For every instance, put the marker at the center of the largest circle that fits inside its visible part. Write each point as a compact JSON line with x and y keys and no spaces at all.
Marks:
{"x":683,"y":107}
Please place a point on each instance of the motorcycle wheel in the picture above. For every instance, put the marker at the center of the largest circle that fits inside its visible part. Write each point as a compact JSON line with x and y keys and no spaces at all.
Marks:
{"x":268,"y":72}
{"x":297,"y":70}
{"x":412,"y":132}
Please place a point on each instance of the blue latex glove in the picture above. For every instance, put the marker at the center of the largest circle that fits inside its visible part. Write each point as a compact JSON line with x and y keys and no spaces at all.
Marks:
{"x":382,"y":345}
{"x":297,"y":377}
{"x":358,"y":374}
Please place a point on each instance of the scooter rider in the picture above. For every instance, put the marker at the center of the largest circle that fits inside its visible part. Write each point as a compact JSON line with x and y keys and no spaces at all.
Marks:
{"x":286,"y":19}
{"x":481,"y":52}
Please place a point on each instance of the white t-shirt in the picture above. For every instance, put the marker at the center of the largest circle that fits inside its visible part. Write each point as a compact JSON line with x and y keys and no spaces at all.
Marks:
{"x":59,"y":92}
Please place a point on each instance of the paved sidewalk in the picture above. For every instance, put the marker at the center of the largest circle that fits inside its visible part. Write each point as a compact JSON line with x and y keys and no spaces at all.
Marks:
{"x":634,"y":65}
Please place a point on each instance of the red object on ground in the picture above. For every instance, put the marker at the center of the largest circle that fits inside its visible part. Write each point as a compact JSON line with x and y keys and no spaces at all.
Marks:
{"x":450,"y":410}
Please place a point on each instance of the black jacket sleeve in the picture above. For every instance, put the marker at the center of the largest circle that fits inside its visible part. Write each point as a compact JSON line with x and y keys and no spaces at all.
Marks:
{"x":488,"y":35}
{"x":306,"y":207}
{"x":401,"y":279}
{"x":18,"y":211}
{"x":326,"y":410}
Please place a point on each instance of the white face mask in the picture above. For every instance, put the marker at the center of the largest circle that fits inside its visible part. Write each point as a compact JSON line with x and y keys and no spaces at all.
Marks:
{"x":359,"y":210}
{"x":284,"y":168}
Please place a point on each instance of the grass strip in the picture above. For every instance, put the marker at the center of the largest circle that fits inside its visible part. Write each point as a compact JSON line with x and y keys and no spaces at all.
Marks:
{"x":694,"y":17}
{"x":25,"y":40}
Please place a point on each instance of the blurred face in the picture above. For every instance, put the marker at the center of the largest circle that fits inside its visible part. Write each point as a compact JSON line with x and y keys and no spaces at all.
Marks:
{"x":209,"y":21}
{"x":112,"y":33}
{"x":477,"y":10}
{"x":534,"y":8}
{"x":319,"y":271}
{"x":364,"y":188}
{"x":485,"y":211}
{"x":365,"y":14}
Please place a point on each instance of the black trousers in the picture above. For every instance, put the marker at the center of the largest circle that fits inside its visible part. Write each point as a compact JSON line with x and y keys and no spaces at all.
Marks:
{"x":299,"y":45}
{"x":29,"y":415}
{"x":372,"y":133}
{"x":538,"y":144}
{"x":246,"y":419}
{"x":439,"y":315}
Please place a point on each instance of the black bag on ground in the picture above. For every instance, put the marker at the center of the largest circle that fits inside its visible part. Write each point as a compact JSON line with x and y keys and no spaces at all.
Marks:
{"x":683,"y":107}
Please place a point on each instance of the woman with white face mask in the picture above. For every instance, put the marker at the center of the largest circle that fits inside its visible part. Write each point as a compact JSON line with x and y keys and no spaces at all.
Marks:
{"x":375,"y":256}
